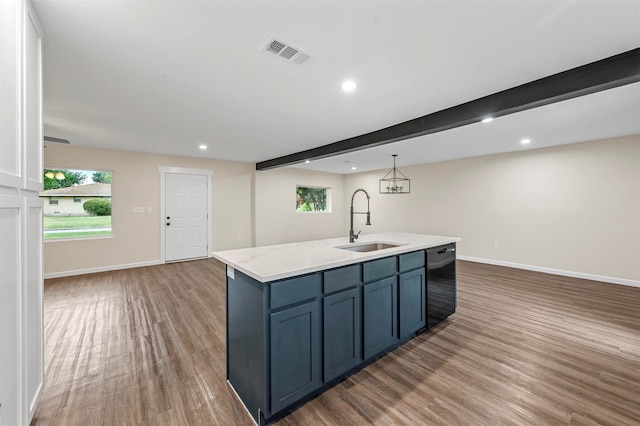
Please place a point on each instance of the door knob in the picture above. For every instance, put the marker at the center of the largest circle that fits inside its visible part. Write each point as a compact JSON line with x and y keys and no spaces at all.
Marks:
{"x":168,"y":217}
{"x":168,"y":224}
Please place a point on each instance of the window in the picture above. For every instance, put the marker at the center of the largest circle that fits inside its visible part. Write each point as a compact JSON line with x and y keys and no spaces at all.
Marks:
{"x":313,"y":199}
{"x":79,"y":203}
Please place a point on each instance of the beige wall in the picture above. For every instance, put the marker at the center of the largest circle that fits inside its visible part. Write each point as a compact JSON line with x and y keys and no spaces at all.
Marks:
{"x":136,"y":182}
{"x":276,"y":219}
{"x":571,"y":208}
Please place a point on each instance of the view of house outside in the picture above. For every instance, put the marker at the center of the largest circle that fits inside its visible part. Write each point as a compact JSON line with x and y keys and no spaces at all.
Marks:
{"x":77,"y":203}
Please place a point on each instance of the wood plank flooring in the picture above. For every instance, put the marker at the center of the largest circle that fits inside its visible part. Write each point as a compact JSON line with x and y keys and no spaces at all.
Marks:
{"x":147,"y":346}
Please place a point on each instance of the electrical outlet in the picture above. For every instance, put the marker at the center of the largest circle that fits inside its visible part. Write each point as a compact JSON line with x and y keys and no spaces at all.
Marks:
{"x":137,"y":209}
{"x":496,"y":245}
{"x":149,"y":210}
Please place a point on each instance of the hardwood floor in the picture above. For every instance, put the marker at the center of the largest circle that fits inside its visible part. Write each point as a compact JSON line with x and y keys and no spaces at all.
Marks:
{"x":147,"y":346}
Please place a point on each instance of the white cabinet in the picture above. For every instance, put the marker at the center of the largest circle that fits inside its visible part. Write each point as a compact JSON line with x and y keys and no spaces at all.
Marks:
{"x":33,"y":137}
{"x":11,"y":23}
{"x":21,"y":282}
{"x":10,"y":285}
{"x":32,"y":308}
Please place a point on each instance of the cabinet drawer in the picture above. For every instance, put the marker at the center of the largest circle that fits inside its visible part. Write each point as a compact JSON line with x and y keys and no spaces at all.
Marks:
{"x":295,"y":290}
{"x":341,"y":278}
{"x":411,"y":261}
{"x":378,"y":269}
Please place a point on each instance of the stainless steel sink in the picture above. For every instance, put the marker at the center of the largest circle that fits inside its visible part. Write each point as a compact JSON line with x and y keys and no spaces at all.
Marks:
{"x":365,"y":247}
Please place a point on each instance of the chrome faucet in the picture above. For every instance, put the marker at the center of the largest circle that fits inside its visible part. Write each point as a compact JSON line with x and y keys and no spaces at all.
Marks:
{"x":353,"y":236}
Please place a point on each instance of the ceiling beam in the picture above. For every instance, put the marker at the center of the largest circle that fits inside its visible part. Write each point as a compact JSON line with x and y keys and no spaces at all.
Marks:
{"x":604,"y":74}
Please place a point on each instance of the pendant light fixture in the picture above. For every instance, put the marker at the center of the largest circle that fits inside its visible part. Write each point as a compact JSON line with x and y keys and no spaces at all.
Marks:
{"x":395,"y":182}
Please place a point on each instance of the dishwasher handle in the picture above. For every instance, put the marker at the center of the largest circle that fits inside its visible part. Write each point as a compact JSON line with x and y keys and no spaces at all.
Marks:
{"x":447,"y":250}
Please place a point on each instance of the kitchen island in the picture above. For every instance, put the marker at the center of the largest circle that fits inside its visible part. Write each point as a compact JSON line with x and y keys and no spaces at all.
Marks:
{"x":303,"y":316}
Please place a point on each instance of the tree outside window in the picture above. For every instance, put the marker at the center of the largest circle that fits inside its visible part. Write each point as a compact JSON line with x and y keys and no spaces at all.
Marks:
{"x":313,"y":199}
{"x":57,"y":178}
{"x":101,"y":177}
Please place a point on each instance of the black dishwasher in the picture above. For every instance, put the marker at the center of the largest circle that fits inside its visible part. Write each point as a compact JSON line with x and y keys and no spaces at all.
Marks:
{"x":441,"y":283}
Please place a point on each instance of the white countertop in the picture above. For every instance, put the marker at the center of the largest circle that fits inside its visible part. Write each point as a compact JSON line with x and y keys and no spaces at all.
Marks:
{"x":269,"y":263}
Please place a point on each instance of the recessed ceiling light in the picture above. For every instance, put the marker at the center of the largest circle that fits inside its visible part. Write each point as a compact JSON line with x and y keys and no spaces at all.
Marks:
{"x":353,"y":168}
{"x":202,"y":147}
{"x":349,"y":86}
{"x":487,"y":119}
{"x":525,"y":141}
{"x":307,"y":161}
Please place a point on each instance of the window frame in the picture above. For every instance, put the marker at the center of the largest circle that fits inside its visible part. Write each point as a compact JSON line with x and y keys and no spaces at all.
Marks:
{"x":77,"y":200}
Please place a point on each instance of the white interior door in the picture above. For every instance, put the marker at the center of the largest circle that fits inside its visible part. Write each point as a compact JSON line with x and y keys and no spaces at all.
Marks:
{"x":186,"y":204}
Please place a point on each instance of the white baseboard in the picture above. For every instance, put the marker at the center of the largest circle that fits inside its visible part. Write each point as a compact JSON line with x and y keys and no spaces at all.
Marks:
{"x":612,"y":280}
{"x":100,"y":269}
{"x":602,"y":278}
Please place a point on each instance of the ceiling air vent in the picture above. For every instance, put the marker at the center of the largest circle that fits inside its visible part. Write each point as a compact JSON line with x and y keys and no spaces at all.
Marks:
{"x":287,"y":52}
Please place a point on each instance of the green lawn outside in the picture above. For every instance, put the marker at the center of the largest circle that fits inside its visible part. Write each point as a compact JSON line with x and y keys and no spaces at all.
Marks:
{"x":73,"y":222}
{"x":54,"y":235}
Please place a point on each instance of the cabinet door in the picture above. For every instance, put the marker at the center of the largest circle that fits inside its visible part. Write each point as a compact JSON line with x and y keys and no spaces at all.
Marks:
{"x":342,"y":347}
{"x":295,"y":354}
{"x":11,"y":215}
{"x":11,"y":145}
{"x":380,"y":316}
{"x":33,"y":103}
{"x":413,"y":300}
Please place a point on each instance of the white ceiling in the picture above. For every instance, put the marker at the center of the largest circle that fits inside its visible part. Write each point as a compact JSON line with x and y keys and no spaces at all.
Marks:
{"x":606,"y":114}
{"x":164,"y":76}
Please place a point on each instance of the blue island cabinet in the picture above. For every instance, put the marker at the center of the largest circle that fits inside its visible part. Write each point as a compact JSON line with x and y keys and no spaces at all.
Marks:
{"x":412,"y":289}
{"x":341,"y":321}
{"x":274,"y":341}
{"x":380,"y":305}
{"x":295,"y":354}
{"x":291,"y":339}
